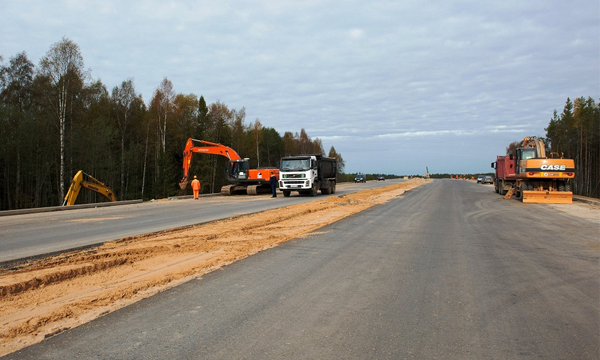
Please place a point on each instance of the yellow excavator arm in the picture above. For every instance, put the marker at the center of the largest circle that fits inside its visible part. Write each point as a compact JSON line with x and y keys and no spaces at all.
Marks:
{"x":89,"y":183}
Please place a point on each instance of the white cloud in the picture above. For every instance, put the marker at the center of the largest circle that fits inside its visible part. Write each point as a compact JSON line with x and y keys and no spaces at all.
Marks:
{"x":356,"y":34}
{"x":368,"y":78}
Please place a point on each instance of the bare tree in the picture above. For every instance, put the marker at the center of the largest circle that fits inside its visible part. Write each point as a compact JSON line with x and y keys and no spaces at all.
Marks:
{"x":237,"y":129}
{"x":62,"y":66}
{"x":166,"y":104}
{"x":123,"y":99}
{"x":512,"y":148}
{"x":317,"y":147}
{"x":257,"y":135}
{"x":161,"y":106}
{"x":340,"y":161}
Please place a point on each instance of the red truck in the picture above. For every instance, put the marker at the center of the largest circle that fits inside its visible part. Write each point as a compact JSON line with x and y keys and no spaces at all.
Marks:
{"x":505,"y":173}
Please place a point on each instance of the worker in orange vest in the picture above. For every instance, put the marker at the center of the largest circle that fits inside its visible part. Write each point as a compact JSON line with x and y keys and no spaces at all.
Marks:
{"x":196,"y":187}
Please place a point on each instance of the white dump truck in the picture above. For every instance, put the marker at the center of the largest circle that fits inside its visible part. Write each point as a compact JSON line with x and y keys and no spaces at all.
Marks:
{"x":307,"y":174}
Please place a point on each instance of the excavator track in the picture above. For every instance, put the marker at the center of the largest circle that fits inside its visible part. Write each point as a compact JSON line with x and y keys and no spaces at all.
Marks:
{"x":227,"y":190}
{"x":237,"y":189}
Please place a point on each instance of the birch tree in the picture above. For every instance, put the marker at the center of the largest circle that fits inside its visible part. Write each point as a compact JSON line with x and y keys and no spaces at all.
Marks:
{"x":62,"y":66}
{"x":123,"y":99}
{"x":257,"y":136}
{"x":165,"y":108}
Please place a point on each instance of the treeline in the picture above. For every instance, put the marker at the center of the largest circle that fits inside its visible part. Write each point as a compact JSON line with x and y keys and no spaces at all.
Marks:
{"x":55,"y":120}
{"x":575,"y":133}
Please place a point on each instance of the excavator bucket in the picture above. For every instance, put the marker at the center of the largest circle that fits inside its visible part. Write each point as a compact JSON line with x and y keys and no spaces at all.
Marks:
{"x":548,"y":197}
{"x":183,"y":184}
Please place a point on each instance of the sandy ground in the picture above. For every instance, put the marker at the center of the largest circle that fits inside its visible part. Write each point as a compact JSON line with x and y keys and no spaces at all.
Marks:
{"x":46,"y":297}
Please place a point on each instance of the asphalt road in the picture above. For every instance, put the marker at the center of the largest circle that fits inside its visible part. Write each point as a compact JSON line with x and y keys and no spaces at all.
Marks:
{"x":447,"y":271}
{"x":30,"y":235}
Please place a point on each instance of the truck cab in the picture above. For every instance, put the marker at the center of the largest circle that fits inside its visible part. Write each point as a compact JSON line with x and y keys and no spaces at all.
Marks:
{"x":307,"y":174}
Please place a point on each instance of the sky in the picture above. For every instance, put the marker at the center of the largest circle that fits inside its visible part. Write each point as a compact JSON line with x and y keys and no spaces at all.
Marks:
{"x":396,"y":87}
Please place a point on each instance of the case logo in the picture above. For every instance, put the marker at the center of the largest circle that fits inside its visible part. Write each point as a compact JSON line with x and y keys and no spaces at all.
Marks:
{"x":553,"y":167}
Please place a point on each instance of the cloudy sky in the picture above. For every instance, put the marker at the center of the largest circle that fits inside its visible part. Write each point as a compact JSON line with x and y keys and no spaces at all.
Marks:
{"x":395,"y":86}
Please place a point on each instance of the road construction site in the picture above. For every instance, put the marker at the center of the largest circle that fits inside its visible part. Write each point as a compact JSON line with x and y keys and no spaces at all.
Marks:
{"x":437,"y":243}
{"x":49,"y":295}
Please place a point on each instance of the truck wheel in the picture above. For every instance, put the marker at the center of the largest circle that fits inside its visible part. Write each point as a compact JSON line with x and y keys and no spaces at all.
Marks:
{"x":314,"y":190}
{"x":286,"y":193}
{"x":503,"y":190}
{"x":333,"y":188}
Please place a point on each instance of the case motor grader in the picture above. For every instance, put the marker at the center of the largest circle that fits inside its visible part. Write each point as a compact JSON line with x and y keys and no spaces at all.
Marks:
{"x":537,"y":178}
{"x":243,"y":179}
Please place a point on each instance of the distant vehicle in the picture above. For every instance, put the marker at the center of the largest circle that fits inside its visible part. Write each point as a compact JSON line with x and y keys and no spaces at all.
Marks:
{"x":381,"y":178}
{"x":487,"y":180}
{"x":480,"y":178}
{"x":360,"y":178}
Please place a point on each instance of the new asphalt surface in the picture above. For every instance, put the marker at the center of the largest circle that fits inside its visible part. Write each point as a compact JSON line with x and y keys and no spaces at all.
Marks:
{"x":447,"y":271}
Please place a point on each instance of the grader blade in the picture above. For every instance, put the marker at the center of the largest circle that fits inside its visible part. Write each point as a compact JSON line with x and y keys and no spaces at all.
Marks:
{"x":548,"y":197}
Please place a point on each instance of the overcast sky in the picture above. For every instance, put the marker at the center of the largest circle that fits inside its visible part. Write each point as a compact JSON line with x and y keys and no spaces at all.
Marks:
{"x":394,"y":86}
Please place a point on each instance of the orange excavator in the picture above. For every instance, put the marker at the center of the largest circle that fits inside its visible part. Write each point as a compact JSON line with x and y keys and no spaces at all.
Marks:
{"x":243,"y":179}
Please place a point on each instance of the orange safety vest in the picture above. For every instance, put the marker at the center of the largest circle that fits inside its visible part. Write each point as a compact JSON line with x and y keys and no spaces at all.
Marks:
{"x":196,"y":184}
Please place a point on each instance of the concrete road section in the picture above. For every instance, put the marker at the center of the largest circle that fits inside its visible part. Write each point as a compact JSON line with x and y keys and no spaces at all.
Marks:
{"x":448,"y":271}
{"x":30,"y":235}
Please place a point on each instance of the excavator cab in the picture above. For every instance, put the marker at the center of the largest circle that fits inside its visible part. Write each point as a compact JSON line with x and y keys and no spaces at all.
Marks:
{"x":238,"y":169}
{"x":524,"y":154}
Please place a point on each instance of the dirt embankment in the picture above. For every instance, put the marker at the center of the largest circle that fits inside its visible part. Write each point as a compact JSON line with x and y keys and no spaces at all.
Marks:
{"x":51,"y":295}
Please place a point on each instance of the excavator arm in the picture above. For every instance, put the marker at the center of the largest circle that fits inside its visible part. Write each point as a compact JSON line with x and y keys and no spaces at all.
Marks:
{"x":208,"y":148}
{"x":537,"y":143}
{"x":82,"y":179}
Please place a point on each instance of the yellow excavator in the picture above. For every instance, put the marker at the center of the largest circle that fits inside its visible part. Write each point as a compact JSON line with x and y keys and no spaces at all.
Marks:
{"x":87,"y":181}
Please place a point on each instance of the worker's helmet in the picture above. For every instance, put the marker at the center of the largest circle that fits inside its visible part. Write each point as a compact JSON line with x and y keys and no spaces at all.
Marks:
{"x":195,"y":177}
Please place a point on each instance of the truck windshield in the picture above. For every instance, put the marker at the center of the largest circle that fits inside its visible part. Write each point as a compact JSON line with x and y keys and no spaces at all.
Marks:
{"x":295,"y":164}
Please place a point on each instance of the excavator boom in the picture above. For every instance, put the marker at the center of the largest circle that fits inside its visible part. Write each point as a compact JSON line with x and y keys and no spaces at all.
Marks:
{"x":208,"y":148}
